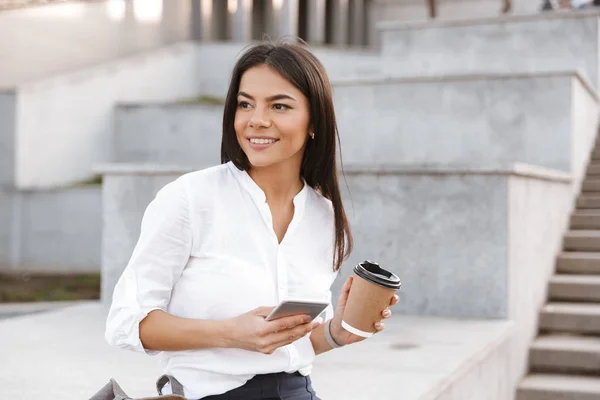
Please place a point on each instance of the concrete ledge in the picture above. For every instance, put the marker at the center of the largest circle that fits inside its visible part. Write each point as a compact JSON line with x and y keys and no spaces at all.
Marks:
{"x":440,"y":23}
{"x":385,"y":80}
{"x":523,"y":170}
{"x":420,"y":358}
{"x":517,"y":169}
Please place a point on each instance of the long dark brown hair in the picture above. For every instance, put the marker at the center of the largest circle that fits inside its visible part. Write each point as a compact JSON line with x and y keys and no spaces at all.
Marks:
{"x":319,"y":167}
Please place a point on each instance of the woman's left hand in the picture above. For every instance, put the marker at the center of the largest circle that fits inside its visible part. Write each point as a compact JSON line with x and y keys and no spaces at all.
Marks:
{"x":342,"y":336}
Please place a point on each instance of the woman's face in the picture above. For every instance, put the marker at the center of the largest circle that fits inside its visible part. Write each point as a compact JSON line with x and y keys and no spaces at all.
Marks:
{"x":272,"y":118}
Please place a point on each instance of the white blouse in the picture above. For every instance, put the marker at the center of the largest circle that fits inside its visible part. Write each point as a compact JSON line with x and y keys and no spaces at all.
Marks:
{"x":207,"y":250}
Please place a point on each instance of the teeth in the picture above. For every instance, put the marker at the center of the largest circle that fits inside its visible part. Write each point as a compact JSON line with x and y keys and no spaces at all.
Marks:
{"x":262,"y":141}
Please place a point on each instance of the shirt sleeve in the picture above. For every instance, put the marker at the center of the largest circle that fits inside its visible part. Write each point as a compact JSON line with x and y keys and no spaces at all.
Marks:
{"x":159,"y":257}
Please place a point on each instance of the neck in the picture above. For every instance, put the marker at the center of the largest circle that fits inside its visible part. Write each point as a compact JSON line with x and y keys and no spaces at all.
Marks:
{"x":279,"y":182}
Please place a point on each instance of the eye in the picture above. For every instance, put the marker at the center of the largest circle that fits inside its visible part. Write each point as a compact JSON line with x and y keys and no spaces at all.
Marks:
{"x":244,"y":105}
{"x":281,"y":107}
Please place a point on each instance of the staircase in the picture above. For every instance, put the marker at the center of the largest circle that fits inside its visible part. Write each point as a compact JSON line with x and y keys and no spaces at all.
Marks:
{"x":565,"y":359}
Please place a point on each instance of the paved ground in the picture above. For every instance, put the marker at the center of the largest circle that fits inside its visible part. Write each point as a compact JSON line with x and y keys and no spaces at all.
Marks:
{"x":62,"y":354}
{"x":41,"y":41}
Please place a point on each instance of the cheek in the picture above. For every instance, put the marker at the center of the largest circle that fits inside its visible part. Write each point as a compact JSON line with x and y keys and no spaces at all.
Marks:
{"x":239,"y":125}
{"x":295,"y":130}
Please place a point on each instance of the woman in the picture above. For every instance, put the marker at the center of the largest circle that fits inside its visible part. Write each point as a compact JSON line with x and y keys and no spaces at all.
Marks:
{"x":221,"y":246}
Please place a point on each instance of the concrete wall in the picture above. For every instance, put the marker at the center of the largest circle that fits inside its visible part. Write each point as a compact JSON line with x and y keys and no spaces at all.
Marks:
{"x":486,"y":376}
{"x":125,"y":195}
{"x":168,"y":133}
{"x":538,"y":218}
{"x":8,"y":100}
{"x":510,"y":44}
{"x":544,"y":120}
{"x":585,"y":109}
{"x":216,"y":61}
{"x":8,"y":111}
{"x":490,"y":235}
{"x":468,"y":120}
{"x":444,"y":234}
{"x":70,"y":117}
{"x":56,"y":230}
{"x":6,"y":229}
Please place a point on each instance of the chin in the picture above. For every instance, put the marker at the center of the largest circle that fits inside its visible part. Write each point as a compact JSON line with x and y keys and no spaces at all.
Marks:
{"x":260,"y":162}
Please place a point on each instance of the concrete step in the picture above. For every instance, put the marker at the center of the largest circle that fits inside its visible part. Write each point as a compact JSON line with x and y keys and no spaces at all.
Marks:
{"x":591,"y":185}
{"x":581,"y":318}
{"x":575,"y":288}
{"x":582,"y":240}
{"x":594,"y":168}
{"x":588,"y":202}
{"x":558,"y":387}
{"x":578,"y":263}
{"x":585,"y":219}
{"x":566,"y":354}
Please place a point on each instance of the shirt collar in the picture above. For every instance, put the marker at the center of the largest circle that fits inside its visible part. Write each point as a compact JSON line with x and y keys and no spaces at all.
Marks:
{"x":257,"y":193}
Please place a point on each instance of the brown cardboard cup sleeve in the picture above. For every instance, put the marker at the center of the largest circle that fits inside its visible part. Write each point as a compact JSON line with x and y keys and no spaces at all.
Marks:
{"x":372,"y":290}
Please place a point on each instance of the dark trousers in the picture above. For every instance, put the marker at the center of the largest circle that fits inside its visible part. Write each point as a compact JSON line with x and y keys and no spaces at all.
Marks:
{"x":280,"y":386}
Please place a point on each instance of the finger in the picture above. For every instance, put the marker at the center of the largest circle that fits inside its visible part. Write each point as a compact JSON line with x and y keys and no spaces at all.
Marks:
{"x":284,"y":323}
{"x":345,"y":292}
{"x":395,"y":300}
{"x":387,"y":313}
{"x":288,"y":336}
{"x":379,"y":326}
{"x":263,"y":311}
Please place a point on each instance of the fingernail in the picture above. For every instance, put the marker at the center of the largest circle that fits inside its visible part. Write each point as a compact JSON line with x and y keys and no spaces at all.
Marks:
{"x":315,"y":324}
{"x":378,"y":325}
{"x":386,"y":313}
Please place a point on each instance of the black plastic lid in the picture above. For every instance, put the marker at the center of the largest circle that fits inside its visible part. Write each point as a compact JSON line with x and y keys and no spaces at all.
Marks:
{"x":372,"y":272}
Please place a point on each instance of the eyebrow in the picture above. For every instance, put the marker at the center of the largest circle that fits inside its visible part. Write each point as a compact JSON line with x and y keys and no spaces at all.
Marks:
{"x":272,"y":98}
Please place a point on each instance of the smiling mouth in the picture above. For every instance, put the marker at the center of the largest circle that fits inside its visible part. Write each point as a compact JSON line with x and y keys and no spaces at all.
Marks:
{"x":263,"y":141}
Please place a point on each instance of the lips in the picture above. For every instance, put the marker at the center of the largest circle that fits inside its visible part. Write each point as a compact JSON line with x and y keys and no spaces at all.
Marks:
{"x":263,"y":140}
{"x":261,"y":143}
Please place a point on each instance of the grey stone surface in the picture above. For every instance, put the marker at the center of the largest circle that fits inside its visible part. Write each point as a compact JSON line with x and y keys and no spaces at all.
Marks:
{"x":215,"y":62}
{"x":513,"y":44}
{"x":124,"y":200}
{"x":8,"y":113}
{"x":61,"y":230}
{"x":168,"y":134}
{"x":416,"y":358}
{"x":78,"y":128}
{"x":538,"y":218}
{"x":71,"y":117}
{"x":473,"y":121}
{"x":466,"y":243}
{"x":438,"y":234}
{"x":547,"y":120}
{"x":584,"y":130}
{"x":6,"y":230}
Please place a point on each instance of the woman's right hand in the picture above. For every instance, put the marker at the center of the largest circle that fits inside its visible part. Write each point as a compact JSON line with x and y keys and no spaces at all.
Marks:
{"x":251,"y":331}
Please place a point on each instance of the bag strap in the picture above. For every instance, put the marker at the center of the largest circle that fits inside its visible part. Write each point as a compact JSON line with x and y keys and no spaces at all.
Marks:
{"x":176,"y":386}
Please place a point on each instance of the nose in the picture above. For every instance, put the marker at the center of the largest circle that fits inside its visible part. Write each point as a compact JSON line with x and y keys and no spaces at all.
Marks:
{"x":259,"y":118}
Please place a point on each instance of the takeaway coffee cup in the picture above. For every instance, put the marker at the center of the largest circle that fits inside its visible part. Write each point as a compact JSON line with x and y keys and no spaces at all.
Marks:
{"x":372,"y":290}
